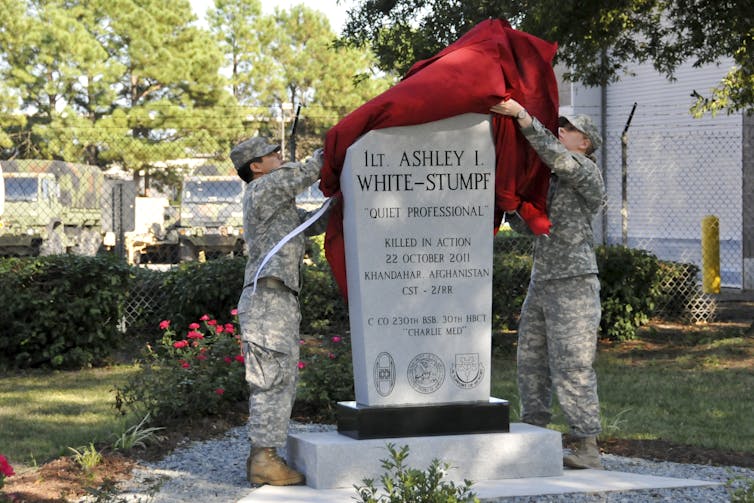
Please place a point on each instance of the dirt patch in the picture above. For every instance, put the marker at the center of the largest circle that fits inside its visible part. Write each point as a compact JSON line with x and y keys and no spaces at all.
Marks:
{"x":660,"y":450}
{"x":63,"y":480}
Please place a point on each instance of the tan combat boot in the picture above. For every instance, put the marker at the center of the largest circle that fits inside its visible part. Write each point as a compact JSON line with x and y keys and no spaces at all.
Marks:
{"x":586,"y":454}
{"x":264,"y":466}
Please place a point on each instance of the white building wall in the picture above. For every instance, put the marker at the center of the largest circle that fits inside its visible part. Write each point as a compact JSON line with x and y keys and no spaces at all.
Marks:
{"x":679,"y":168}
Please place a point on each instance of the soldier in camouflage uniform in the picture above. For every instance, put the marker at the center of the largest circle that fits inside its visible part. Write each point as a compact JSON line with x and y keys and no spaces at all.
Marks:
{"x":557,"y":335}
{"x":268,"y":312}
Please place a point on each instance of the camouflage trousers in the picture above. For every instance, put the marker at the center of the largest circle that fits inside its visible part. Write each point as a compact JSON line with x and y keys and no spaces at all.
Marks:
{"x":270,"y":342}
{"x":557,"y":343}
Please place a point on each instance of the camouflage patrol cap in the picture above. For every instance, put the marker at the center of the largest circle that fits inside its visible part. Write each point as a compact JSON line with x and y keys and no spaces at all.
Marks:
{"x":585,"y":125}
{"x":251,"y":149}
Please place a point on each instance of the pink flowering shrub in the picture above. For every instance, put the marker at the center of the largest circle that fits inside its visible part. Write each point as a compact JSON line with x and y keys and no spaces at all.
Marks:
{"x":6,"y":470}
{"x":197,"y":371}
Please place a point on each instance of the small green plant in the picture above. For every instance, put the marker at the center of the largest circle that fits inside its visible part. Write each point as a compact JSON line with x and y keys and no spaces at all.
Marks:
{"x":612,"y":425}
{"x":741,"y":490}
{"x":108,"y":492}
{"x":88,"y":458}
{"x":403,"y":484}
{"x":138,"y":436}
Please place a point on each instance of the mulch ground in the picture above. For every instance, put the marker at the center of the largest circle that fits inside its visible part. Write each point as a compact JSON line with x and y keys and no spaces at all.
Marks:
{"x":62,"y":480}
{"x":660,"y":450}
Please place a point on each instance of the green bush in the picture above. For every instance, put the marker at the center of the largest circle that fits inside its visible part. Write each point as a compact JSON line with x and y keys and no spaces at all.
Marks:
{"x":325,"y":376}
{"x":192,"y":372}
{"x":628,"y":290}
{"x":511,"y":269}
{"x":633,"y":284}
{"x":510,"y":281}
{"x":60,"y":311}
{"x":194,"y":289}
{"x":403,"y":484}
{"x":65,"y":311}
{"x":323,"y":309}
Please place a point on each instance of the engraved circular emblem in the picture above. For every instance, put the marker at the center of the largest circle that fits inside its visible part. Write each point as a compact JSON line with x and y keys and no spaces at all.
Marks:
{"x":384,"y":374}
{"x":467,"y":371}
{"x":426,"y":373}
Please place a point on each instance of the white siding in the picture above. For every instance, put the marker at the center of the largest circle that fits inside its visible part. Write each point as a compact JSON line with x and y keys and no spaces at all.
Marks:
{"x":679,"y":168}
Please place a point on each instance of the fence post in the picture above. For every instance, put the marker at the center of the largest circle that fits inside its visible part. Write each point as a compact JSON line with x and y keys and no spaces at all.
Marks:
{"x":117,"y":219}
{"x":624,"y":177}
{"x":293,"y":133}
{"x":747,"y":203}
{"x":711,"y":254}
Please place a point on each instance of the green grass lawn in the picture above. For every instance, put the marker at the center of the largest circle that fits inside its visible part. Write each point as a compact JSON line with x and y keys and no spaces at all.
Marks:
{"x":704,"y":407}
{"x":689,"y":388}
{"x":44,"y":413}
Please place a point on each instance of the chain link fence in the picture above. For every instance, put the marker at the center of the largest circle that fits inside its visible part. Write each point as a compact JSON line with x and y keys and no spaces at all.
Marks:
{"x":183,"y":209}
{"x":662,"y":182}
{"x":190,"y":209}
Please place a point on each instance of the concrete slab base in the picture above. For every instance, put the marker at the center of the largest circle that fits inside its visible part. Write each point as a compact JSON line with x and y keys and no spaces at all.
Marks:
{"x":571,"y":481}
{"x":330,"y":460}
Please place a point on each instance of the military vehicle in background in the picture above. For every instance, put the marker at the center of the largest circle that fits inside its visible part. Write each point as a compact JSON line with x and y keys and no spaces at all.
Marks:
{"x":51,"y":207}
{"x":208,"y":223}
{"x":153,"y":239}
{"x":211,"y":217}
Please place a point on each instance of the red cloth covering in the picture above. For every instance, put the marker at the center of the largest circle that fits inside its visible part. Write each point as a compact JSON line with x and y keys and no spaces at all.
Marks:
{"x":489,"y":63}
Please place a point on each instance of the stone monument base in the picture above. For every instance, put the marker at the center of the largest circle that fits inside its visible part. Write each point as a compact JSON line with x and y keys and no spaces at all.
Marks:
{"x":330,"y":460}
{"x":364,"y":422}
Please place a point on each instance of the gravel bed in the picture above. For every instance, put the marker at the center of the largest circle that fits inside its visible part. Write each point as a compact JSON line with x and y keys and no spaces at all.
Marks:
{"x":214,"y":471}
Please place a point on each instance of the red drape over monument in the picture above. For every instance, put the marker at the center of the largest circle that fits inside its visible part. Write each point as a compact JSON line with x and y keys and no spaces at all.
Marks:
{"x":490,"y":62}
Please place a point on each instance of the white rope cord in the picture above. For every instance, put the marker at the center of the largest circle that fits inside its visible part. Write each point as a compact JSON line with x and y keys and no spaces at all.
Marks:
{"x":288,"y":237}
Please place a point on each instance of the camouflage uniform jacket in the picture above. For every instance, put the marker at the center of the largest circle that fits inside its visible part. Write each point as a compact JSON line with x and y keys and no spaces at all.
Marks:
{"x":576,"y":194}
{"x":270,"y":213}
